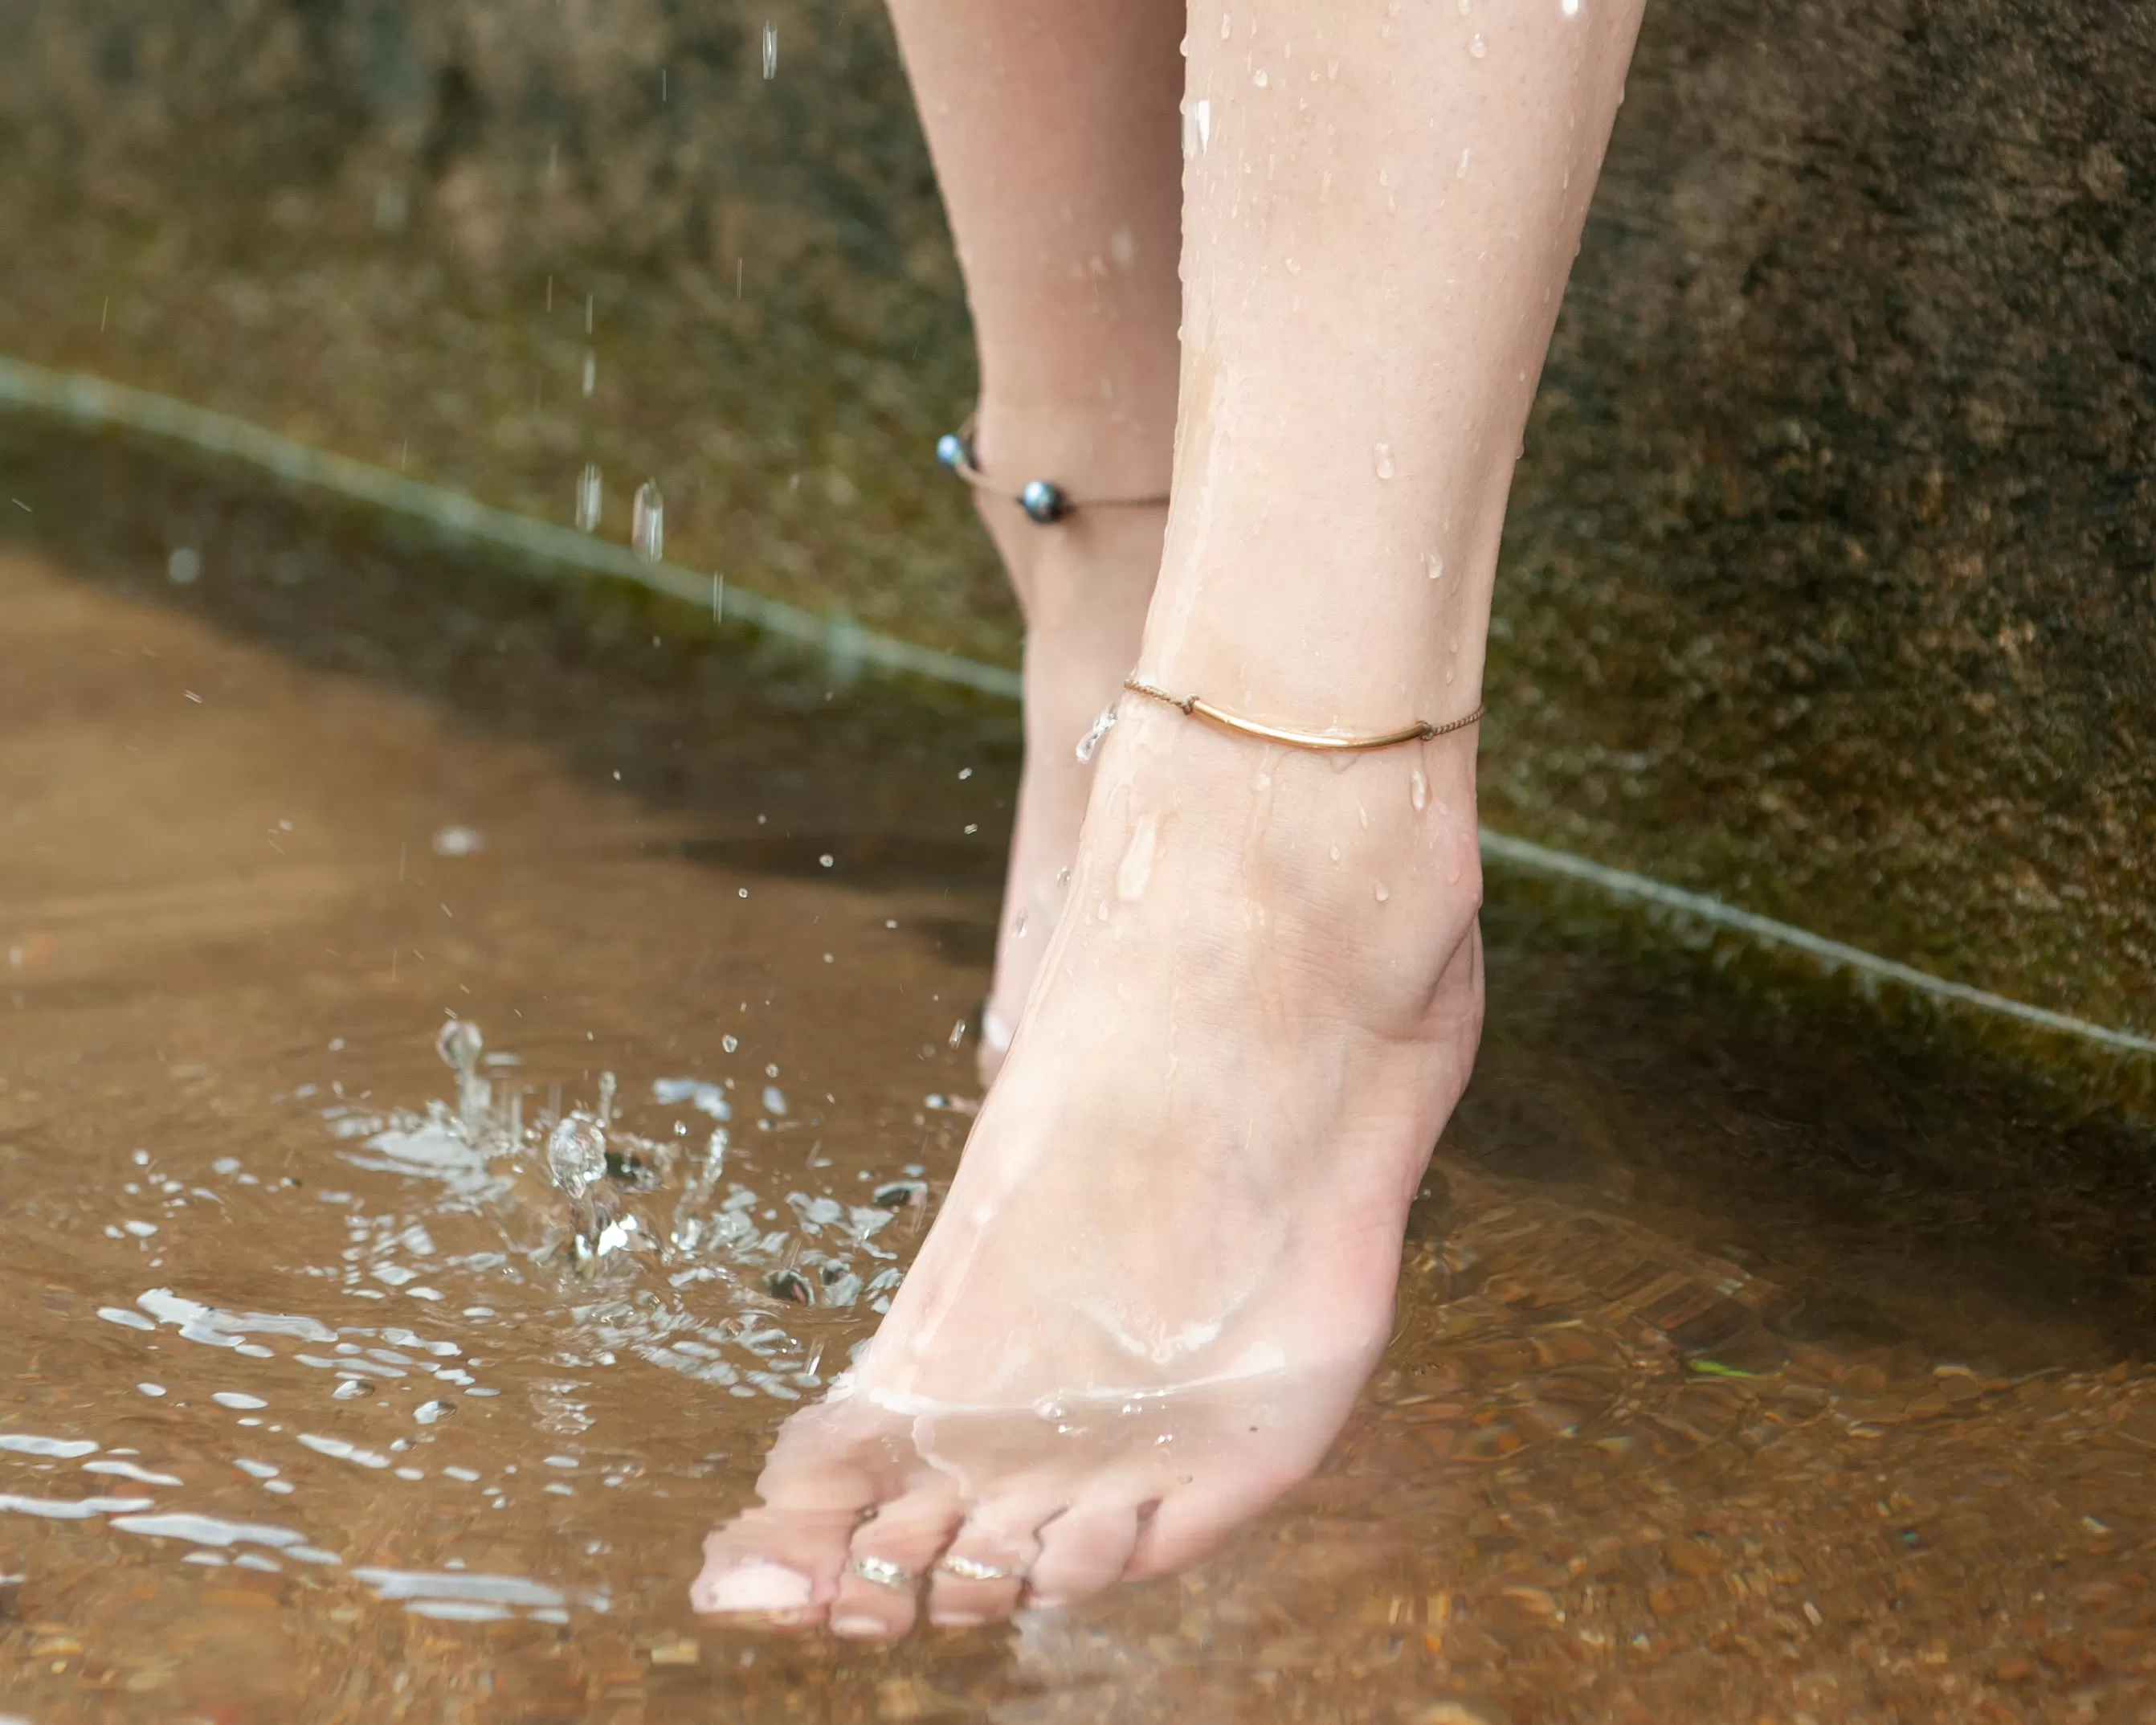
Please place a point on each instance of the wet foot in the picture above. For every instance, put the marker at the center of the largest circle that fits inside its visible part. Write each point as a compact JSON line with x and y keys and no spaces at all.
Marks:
{"x":1083,"y":584}
{"x":1167,"y":1263}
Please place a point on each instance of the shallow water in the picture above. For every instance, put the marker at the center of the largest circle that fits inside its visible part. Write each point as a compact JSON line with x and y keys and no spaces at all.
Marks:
{"x":1749,"y":1366}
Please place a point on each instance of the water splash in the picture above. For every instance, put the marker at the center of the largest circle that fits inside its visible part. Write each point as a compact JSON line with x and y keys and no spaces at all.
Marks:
{"x":576,"y":1155}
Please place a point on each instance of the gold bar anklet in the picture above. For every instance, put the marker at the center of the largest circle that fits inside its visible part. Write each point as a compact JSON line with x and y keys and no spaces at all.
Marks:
{"x":1194,"y":706}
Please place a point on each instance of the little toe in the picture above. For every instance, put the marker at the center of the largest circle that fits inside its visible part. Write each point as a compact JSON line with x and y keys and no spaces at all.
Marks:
{"x":891,"y":1552}
{"x":1084,"y":1550}
{"x":979,"y":1579}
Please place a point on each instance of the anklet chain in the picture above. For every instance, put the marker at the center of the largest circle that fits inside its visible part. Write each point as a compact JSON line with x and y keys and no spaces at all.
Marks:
{"x":1043,"y":501}
{"x":1195,"y":707}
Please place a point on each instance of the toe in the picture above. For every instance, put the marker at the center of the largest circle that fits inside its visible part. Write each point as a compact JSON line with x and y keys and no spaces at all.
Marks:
{"x":891,"y":1552}
{"x":1084,"y":1550}
{"x":979,"y":1577}
{"x":780,"y":1562}
{"x":780,"y":1565}
{"x":1190,"y":1522}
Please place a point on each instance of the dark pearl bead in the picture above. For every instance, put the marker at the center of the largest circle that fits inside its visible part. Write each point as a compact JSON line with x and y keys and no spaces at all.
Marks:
{"x":951,"y":451}
{"x":1043,"y":501}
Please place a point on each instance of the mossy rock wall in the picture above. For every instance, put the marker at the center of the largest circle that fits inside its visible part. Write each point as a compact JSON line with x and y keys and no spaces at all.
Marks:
{"x":1829,"y":582}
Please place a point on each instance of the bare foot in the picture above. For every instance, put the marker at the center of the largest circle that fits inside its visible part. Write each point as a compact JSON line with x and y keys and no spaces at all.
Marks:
{"x":1083,"y":584}
{"x":1167,"y":1263}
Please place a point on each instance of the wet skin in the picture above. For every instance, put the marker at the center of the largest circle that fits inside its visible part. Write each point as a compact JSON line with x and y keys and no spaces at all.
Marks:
{"x":1167,"y":1262}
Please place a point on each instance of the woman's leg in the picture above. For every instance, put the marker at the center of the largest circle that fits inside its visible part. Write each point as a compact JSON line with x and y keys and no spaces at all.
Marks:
{"x":1053,"y":131}
{"x":1170,"y":1254}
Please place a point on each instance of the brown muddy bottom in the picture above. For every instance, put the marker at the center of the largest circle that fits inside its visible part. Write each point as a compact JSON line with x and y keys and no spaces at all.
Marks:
{"x":1748,"y":1368}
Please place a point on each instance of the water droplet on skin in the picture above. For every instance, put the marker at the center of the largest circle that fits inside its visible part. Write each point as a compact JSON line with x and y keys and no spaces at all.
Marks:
{"x":647,"y":527}
{"x":1089,"y":743}
{"x":1384,"y":892}
{"x":1137,"y":867}
{"x":1418,"y":788}
{"x":587,"y":498}
{"x":1224,"y":26}
{"x":1335,"y":853}
{"x":1018,"y":927}
{"x":1462,"y":174}
{"x":1433,"y":566}
{"x":1570,"y":8}
{"x":1363,"y":814}
{"x":1381,"y":460}
{"x":1258,"y":78}
{"x":1332,"y":70}
{"x":1063,"y":877}
{"x":1103,"y":913}
{"x":1478,"y":47}
{"x":1198,"y":127}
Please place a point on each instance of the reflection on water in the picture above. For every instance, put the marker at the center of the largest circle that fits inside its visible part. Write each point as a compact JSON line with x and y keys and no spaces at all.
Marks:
{"x":361,"y":1365}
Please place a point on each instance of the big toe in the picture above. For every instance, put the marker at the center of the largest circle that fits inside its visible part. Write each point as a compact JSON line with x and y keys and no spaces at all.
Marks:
{"x":777,"y":1564}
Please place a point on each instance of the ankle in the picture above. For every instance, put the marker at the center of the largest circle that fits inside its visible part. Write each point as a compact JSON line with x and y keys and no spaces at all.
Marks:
{"x":1091,"y":446}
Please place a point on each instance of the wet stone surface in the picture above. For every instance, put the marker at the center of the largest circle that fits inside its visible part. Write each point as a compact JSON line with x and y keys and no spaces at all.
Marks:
{"x":1749,"y":1366}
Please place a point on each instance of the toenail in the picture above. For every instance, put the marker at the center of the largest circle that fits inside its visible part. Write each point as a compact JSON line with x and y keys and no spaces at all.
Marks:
{"x":757,"y":1586}
{"x":956,"y":1619}
{"x":861,"y":1629}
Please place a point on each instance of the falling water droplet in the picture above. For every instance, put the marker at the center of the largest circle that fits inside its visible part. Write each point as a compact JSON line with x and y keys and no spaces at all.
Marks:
{"x":1418,"y":788}
{"x":1089,"y":743}
{"x":591,"y":372}
{"x":587,"y":498}
{"x":647,"y":528}
{"x":459,"y":1043}
{"x":1381,"y":459}
{"x":1478,"y":47}
{"x":770,"y":50}
{"x":576,"y":1155}
{"x":607,"y":1089}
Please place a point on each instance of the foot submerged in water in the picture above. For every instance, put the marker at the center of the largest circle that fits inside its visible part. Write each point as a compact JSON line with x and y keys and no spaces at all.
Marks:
{"x":1167,"y":1263}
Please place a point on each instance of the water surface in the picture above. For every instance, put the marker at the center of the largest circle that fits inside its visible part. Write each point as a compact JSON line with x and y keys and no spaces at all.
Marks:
{"x":1749,"y":1366}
